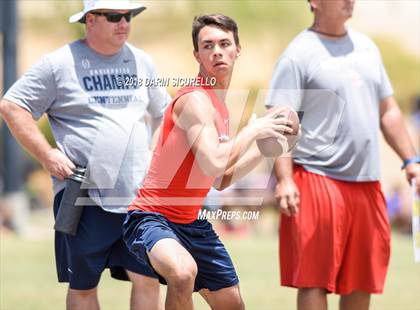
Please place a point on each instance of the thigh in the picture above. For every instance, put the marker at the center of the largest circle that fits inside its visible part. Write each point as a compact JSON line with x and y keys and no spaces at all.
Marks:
{"x":367,"y":254}
{"x":150,"y":238}
{"x":81,"y":258}
{"x":121,"y":259}
{"x":169,"y":258}
{"x":215,"y":267}
{"x":311,"y":242}
{"x":225,"y":298}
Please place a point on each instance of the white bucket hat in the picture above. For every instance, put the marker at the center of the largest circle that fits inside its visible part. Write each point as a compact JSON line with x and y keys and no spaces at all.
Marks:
{"x":91,"y":5}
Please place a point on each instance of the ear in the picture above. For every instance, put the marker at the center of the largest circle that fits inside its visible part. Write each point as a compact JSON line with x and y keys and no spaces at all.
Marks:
{"x":89,"y":19}
{"x":314,"y":4}
{"x":197,"y":57}
{"x":238,"y":50}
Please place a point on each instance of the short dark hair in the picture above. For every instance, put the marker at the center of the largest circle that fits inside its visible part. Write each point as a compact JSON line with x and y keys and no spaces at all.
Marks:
{"x":224,"y":22}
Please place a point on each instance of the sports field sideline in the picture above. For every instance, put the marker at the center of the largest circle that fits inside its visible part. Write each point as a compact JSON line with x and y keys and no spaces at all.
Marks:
{"x":28,"y":280}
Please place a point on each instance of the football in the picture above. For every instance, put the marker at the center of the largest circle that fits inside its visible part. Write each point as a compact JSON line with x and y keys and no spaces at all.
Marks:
{"x":272,"y":147}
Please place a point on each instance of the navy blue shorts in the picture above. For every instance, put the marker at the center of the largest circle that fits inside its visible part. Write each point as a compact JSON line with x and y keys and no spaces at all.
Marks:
{"x":215,"y":268}
{"x":98,"y":244}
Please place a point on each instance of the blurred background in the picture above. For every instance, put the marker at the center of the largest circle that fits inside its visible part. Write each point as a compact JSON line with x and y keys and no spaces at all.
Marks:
{"x":27,"y":271}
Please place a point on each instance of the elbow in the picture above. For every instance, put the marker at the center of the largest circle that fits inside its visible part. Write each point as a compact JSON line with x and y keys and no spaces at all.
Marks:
{"x":8,"y":110}
{"x":2,"y":108}
{"x":213,"y":168}
{"x":213,"y":171}
{"x":211,"y":164}
{"x":391,"y":120}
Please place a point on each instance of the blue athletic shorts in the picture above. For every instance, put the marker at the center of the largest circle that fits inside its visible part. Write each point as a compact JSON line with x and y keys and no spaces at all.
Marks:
{"x":215,"y":268}
{"x":98,"y":244}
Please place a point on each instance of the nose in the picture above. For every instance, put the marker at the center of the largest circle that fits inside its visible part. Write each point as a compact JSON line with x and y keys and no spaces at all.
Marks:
{"x":123,"y":25}
{"x":217,"y":50}
{"x":124,"y":21}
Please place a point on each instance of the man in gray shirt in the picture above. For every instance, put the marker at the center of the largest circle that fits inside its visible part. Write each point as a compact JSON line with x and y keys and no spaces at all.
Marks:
{"x":334,"y":234}
{"x":91,"y":91}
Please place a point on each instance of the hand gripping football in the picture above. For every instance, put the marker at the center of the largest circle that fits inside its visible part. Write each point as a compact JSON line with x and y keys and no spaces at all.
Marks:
{"x":273,"y":147}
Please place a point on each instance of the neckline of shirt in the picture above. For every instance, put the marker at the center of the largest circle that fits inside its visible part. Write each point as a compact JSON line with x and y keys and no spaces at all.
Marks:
{"x":330,"y":39}
{"x":110,"y":58}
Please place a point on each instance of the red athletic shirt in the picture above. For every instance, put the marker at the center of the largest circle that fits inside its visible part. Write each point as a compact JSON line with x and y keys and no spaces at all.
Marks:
{"x":175,"y":186}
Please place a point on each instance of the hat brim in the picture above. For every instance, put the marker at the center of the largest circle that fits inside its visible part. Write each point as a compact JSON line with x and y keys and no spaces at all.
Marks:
{"x":81,"y":16}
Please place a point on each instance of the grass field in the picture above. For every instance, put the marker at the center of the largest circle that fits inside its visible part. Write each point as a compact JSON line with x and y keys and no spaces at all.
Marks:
{"x":28,"y":280}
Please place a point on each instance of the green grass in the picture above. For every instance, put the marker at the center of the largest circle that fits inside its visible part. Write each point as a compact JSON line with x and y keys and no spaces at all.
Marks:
{"x":28,"y":280}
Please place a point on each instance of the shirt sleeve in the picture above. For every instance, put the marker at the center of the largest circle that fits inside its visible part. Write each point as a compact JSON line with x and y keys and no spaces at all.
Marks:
{"x":384,"y":88}
{"x":159,"y":97}
{"x":36,"y":90}
{"x":287,"y":85}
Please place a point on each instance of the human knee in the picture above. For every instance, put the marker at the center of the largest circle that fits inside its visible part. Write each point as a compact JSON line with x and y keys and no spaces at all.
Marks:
{"x":145,"y":284}
{"x":183,"y":277}
{"x":236,"y":303}
{"x":141,"y":280}
{"x":313,"y":291}
{"x":83,"y":293}
{"x":232,"y":300}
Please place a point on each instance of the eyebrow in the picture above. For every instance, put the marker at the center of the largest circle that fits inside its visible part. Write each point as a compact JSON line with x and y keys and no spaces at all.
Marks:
{"x":211,"y":41}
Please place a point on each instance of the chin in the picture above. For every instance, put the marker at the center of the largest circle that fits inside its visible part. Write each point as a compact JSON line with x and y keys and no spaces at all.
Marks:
{"x":221,"y":74}
{"x":121,"y":38}
{"x":119,"y":43}
{"x":348,"y":13}
{"x":222,"y":70}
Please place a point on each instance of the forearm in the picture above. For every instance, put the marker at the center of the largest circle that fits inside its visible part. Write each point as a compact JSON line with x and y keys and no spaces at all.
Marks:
{"x":283,"y":167}
{"x":216,"y":158}
{"x":245,"y":164}
{"x":24,"y":129}
{"x":396,"y":134}
{"x":238,"y":148}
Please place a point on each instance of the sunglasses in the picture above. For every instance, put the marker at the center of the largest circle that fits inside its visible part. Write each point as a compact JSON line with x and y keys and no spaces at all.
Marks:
{"x":115,"y":17}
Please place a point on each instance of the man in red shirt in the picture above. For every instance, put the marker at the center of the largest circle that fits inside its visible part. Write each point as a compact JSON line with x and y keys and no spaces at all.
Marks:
{"x":193,"y":154}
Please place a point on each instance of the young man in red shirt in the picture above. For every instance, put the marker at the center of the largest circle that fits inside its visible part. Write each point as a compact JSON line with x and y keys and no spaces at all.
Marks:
{"x":194,"y":153}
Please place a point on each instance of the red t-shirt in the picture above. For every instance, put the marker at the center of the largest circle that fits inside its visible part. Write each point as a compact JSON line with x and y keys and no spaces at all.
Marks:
{"x":175,"y":185}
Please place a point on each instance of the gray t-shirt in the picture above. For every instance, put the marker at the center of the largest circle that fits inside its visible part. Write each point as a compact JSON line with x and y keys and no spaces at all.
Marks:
{"x":338,"y":84}
{"x":97,"y":112}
